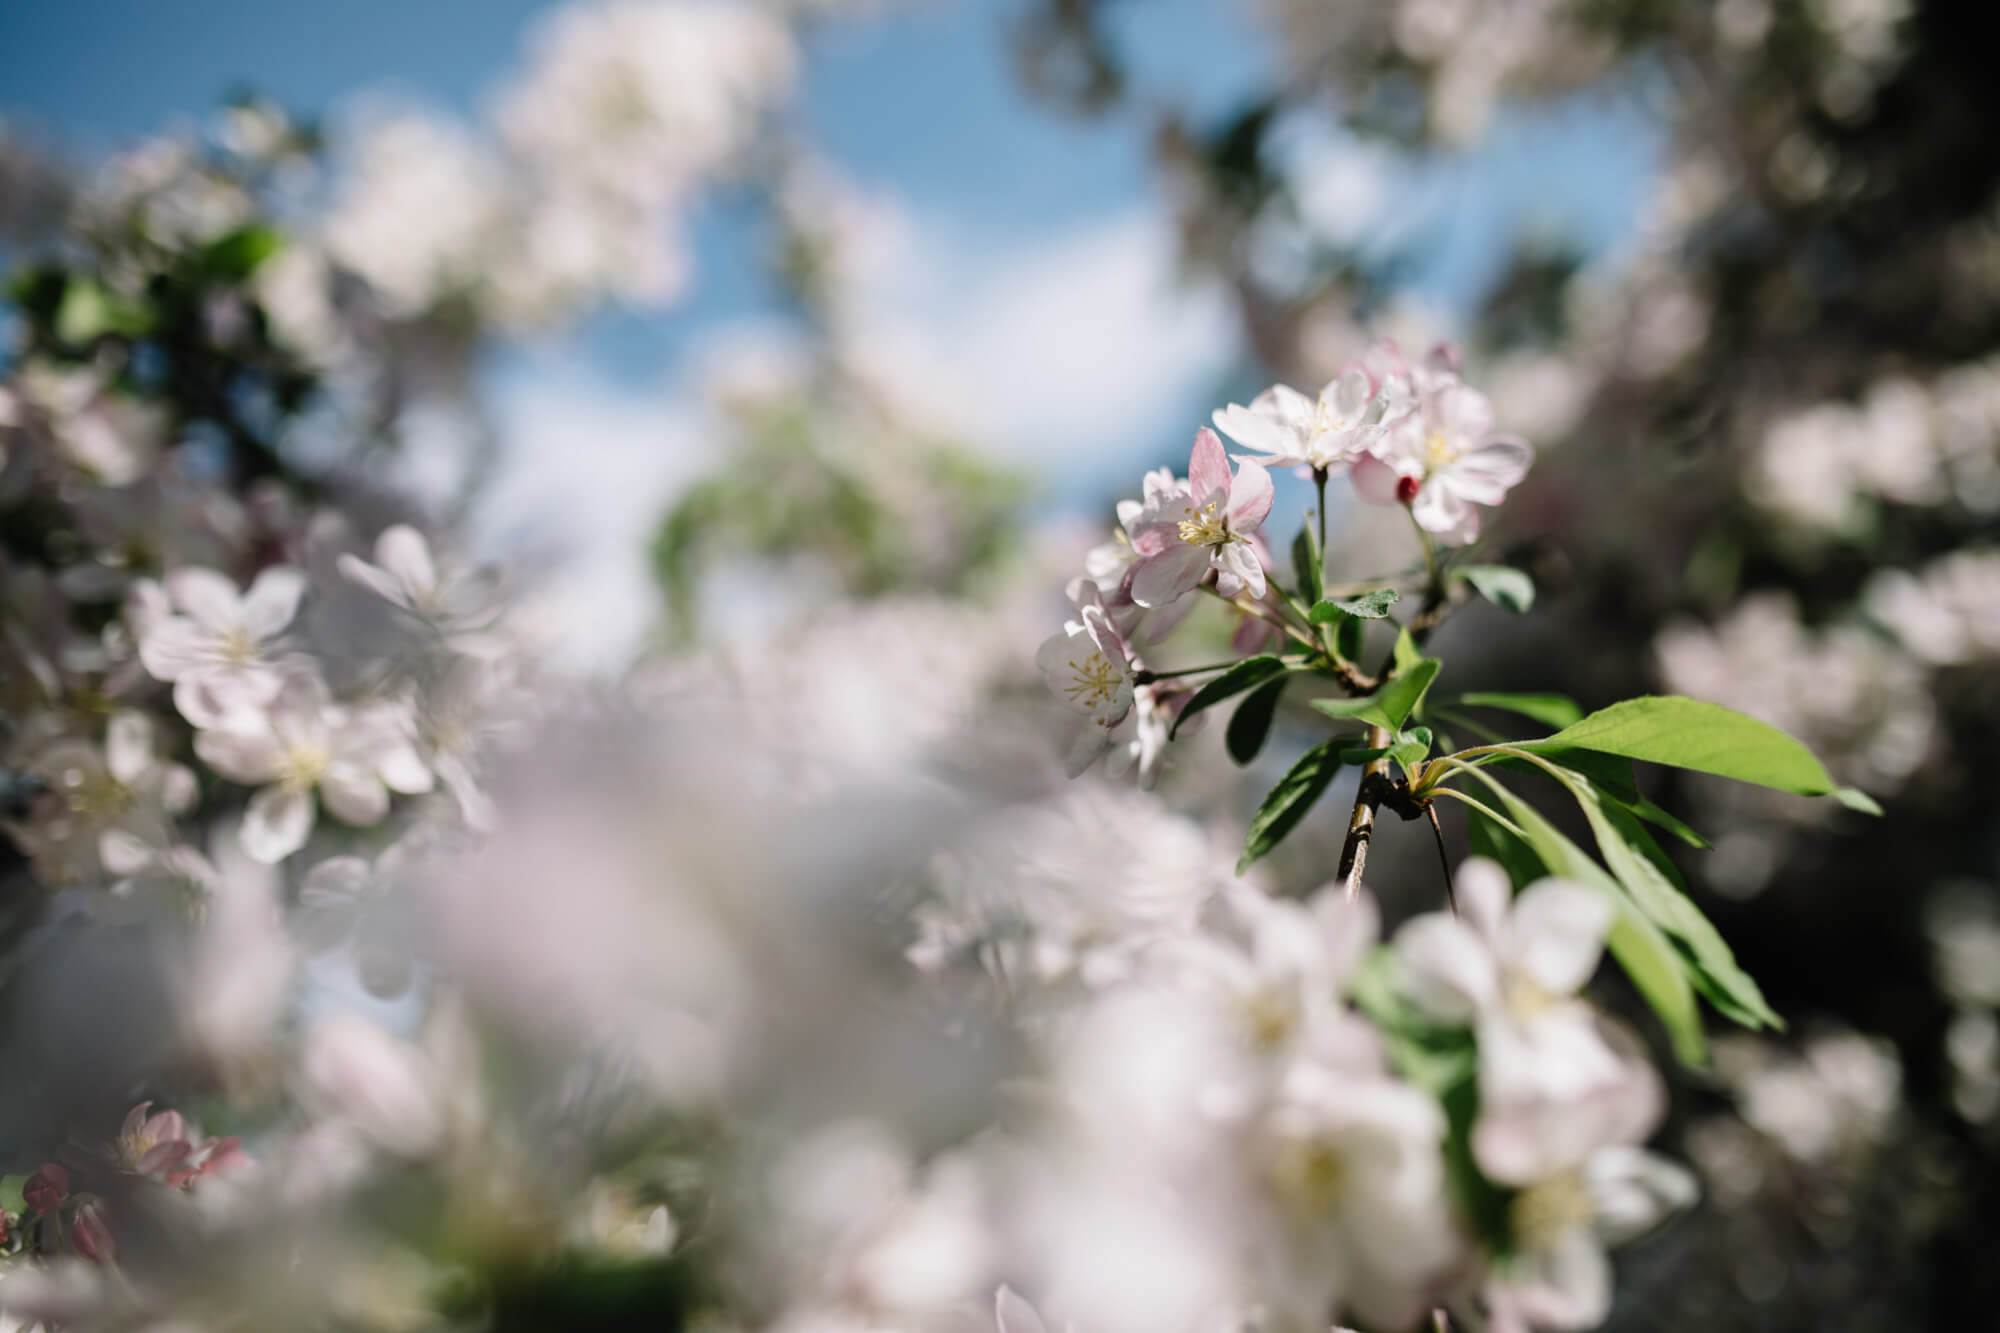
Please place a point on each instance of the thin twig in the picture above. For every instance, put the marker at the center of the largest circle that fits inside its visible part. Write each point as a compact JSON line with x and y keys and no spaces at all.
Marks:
{"x":1444,"y":861}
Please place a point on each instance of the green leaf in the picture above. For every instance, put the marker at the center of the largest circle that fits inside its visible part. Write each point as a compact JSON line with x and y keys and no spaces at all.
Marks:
{"x":90,"y":310}
{"x":1649,"y":958}
{"x":1350,"y":638}
{"x":1551,"y":710}
{"x":1669,"y":821}
{"x":10,"y":1194}
{"x":1390,"y":706}
{"x":1368,"y":606}
{"x":1251,"y":671}
{"x":1856,"y":799}
{"x":1485,"y":836}
{"x":1693,"y":734}
{"x":1287,"y":803}
{"x":1251,"y":722}
{"x":1306,"y":565}
{"x":1502,"y":585}
{"x":1653,"y":885}
{"x":1411,"y":747}
{"x":236,"y":255}
{"x":1406,"y":654}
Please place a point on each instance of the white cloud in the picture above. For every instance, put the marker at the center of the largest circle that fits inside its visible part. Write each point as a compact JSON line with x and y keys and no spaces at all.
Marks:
{"x":1067,"y":352}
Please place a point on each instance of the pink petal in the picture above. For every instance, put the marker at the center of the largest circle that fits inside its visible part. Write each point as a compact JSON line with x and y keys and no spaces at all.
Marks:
{"x":1249,"y":498}
{"x":1374,"y":480}
{"x":1159,"y":579}
{"x":272,"y":601}
{"x":1208,"y":468}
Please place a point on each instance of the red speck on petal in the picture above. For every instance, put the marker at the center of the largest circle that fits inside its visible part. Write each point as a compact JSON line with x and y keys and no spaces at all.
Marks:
{"x":1406,"y":489}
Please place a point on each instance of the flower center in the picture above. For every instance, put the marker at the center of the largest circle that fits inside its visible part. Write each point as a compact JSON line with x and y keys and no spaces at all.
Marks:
{"x":304,"y":766}
{"x":1438,"y":451}
{"x":1094,"y":681}
{"x":1541,"y":1214}
{"x":1311,"y":1174}
{"x":1524,"y":999}
{"x":238,"y":647}
{"x":1271,"y":1015}
{"x":1207,"y":526}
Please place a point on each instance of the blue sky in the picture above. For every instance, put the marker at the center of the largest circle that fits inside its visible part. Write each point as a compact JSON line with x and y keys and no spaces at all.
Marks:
{"x":1042,"y":274}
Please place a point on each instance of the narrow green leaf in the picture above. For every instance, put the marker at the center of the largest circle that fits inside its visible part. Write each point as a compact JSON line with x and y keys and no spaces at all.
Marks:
{"x":1485,"y":836}
{"x":1647,"y":876}
{"x":1856,"y":799}
{"x":1251,"y":671}
{"x":1705,"y":737}
{"x":1405,"y":691}
{"x":1287,"y":803}
{"x":1251,"y":722}
{"x":1551,"y":710}
{"x":1669,"y":821}
{"x":1407,"y":654}
{"x":1368,"y":606}
{"x":1502,"y":585}
{"x":1306,"y":565}
{"x":1350,"y":638}
{"x":1390,"y":706}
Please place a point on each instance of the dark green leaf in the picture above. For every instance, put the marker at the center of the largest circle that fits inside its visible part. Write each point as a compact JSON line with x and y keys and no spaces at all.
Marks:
{"x":1251,"y":722}
{"x":1411,"y":747}
{"x":1306,"y":565}
{"x":1502,"y":585}
{"x":1706,"y":737}
{"x":1350,"y":638}
{"x":1368,"y":606}
{"x":1551,"y":710}
{"x":1251,"y":671}
{"x":1287,"y":803}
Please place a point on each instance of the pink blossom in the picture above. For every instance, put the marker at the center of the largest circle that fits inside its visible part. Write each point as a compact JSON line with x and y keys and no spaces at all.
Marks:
{"x":1208,"y":525}
{"x":1442,"y":459}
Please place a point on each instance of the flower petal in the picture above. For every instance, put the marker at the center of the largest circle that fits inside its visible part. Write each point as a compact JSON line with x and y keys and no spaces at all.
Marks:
{"x":1556,"y":934}
{"x":1484,"y":474}
{"x":272,"y":601}
{"x":247,"y":755}
{"x":276,"y":824}
{"x":1208,"y":468}
{"x":128,"y":746}
{"x":1447,"y":971}
{"x":354,"y":793}
{"x":1253,"y":430}
{"x":402,"y":551}
{"x":1249,"y":498}
{"x":1159,"y":579}
{"x":206,"y":597}
{"x":1634,"y":1190}
{"x":1375,"y":480}
{"x":171,"y":646}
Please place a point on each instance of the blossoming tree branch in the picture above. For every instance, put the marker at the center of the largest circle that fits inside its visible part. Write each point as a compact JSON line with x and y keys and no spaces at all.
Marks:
{"x":1540,"y":1104}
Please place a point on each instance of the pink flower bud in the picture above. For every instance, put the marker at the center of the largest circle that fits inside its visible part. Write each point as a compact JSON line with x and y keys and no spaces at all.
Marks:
{"x":46,"y":1189}
{"x":93,"y":1238}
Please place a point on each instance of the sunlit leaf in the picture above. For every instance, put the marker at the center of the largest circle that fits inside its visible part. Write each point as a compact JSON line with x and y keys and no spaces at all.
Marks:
{"x":1693,"y":734}
{"x":1502,"y":585}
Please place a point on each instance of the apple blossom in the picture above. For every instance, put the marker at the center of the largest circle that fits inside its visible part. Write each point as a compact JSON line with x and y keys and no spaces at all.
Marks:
{"x":1288,"y":429}
{"x":1548,"y":1077}
{"x":1208,"y":524}
{"x":1088,"y":667}
{"x":302,"y":741}
{"x":1442,"y":458}
{"x":215,"y":644}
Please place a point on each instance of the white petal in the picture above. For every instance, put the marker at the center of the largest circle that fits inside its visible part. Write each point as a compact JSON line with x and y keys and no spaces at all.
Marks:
{"x":1446,"y":970}
{"x":1485,"y":474}
{"x":1254,"y":430}
{"x":123,"y":853}
{"x":171,"y":646}
{"x":249,"y":756}
{"x":1567,"y":1285}
{"x":1635,"y":1190}
{"x":403,"y":770}
{"x":205,"y":596}
{"x":1014,"y":1315}
{"x":1556,"y":934}
{"x":1441,"y":510}
{"x":128,"y":746}
{"x":272,"y":601}
{"x":276,"y":824}
{"x":1481,"y":891}
{"x":355,"y":794}
{"x":374,"y":578}
{"x":403,"y":551}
